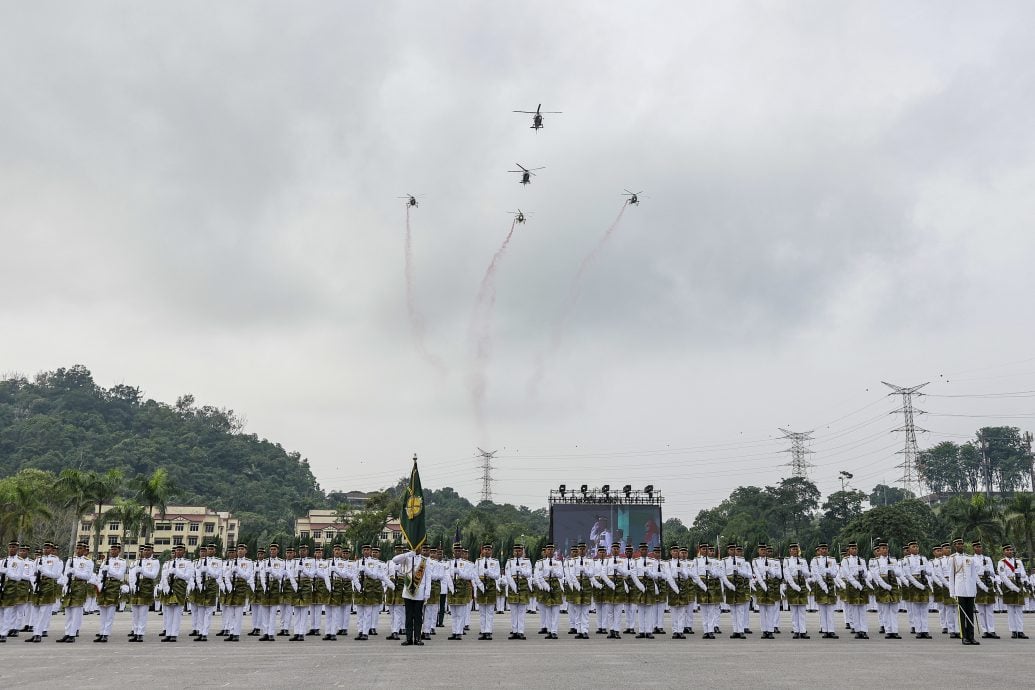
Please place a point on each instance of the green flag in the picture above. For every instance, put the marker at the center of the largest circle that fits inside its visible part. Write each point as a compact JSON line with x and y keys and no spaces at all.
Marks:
{"x":412,"y":521}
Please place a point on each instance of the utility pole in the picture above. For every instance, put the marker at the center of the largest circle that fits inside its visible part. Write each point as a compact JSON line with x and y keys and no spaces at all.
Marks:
{"x":799,"y":465}
{"x":1031,"y":458}
{"x":487,"y":456}
{"x":910,"y":478}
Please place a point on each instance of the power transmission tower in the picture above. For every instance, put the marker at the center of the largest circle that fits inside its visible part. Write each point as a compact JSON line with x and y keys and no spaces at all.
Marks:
{"x":487,"y":456}
{"x":910,"y":477}
{"x":799,"y":465}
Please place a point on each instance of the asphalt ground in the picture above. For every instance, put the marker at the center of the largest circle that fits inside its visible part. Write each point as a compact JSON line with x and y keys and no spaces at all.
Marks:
{"x":535,"y":662}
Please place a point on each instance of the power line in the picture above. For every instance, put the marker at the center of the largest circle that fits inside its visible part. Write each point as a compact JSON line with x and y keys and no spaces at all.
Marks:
{"x":910,"y":479}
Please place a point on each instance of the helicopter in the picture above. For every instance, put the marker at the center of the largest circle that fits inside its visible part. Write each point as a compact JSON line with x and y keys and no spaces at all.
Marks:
{"x":411,"y":200}
{"x":526,"y":173}
{"x":537,"y":116}
{"x":634,"y":197}
{"x":519,"y":215}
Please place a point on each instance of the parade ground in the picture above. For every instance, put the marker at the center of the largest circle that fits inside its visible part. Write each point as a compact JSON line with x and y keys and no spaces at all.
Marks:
{"x":535,"y":662}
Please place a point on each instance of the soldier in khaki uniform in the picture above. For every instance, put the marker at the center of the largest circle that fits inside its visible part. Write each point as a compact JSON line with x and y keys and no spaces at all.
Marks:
{"x":47,"y":594}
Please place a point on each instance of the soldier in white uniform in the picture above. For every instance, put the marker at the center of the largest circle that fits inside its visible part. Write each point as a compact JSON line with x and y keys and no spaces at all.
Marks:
{"x":948,"y":608}
{"x":740,"y":581}
{"x":885,"y":575}
{"x":768,"y":576}
{"x":239,"y":583}
{"x":49,"y":580}
{"x":440,"y":586}
{"x":487,"y":570}
{"x":985,"y":601}
{"x":855,"y":574}
{"x":177,"y":582}
{"x":79,"y":573}
{"x":918,"y":574}
{"x":287,"y":601}
{"x":517,"y":574}
{"x":796,"y":588}
{"x":111,"y":585}
{"x":464,"y":580}
{"x":550,"y":575}
{"x":964,"y":583}
{"x":271,"y":578}
{"x":345,"y":584}
{"x":825,"y":574}
{"x":143,"y":579}
{"x":1012,"y":577}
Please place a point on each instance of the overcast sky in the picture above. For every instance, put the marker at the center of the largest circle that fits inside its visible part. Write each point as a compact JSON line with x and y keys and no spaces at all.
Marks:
{"x":201,"y":197}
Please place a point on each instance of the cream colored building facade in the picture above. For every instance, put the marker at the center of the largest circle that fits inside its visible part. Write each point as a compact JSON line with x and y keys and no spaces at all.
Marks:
{"x":187,"y":525}
{"x":323,"y":526}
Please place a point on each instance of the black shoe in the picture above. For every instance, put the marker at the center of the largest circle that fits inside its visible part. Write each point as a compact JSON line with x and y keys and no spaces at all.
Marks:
{"x":543,"y":631}
{"x":571,"y":631}
{"x":361,"y":636}
{"x":168,"y":638}
{"x":804,"y":636}
{"x":140,"y":638}
{"x":315,"y":631}
{"x":795,"y":636}
{"x":629,"y":631}
{"x":1021,"y":636}
{"x":896,"y":636}
{"x":393,"y":636}
{"x":749,"y":631}
{"x":221,"y":633}
{"x":552,"y":636}
{"x":425,"y":636}
{"x":954,"y":636}
{"x":282,"y":633}
{"x":776,"y":630}
{"x":326,"y":638}
{"x":847,"y":626}
{"x":455,"y":637}
{"x":945,"y":631}
{"x":708,"y":636}
{"x":406,"y":643}
{"x":971,"y":642}
{"x":255,"y":632}
{"x":641,"y":636}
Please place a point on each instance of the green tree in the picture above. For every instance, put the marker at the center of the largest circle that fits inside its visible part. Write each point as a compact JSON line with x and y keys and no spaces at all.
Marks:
{"x":103,"y":489}
{"x":840,"y":508}
{"x":884,"y":495}
{"x":974,"y":518}
{"x":1020,"y":518}
{"x":132,"y":517}
{"x":73,"y":490}
{"x":153,"y":492}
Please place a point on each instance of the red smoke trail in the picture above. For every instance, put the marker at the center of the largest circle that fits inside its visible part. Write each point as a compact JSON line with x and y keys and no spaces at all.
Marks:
{"x":561,"y":325}
{"x":481,"y":331}
{"x":416,"y":319}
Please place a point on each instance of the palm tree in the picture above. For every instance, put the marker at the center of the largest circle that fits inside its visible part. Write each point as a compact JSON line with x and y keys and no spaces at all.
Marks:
{"x":154,"y":492}
{"x":976,"y":518}
{"x":24,"y":507}
{"x":1020,"y":518}
{"x":131,"y":516}
{"x":103,"y":489}
{"x":72,"y":488}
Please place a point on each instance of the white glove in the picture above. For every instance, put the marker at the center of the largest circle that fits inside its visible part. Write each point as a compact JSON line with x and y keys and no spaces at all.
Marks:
{"x":763,"y":585}
{"x":704,"y":587}
{"x":794,"y":586}
{"x":783,"y":591}
{"x":823,"y":586}
{"x":640,"y":585}
{"x":124,"y":589}
{"x":858,"y":586}
{"x":63,"y":580}
{"x":886,"y":586}
{"x":164,"y":588}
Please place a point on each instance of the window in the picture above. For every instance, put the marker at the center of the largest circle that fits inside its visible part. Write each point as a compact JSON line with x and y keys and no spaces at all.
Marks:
{"x":178,"y":527}
{"x":131,"y":557}
{"x":163,"y":527}
{"x":384,"y":536}
{"x":210,"y":528}
{"x":192,"y":541}
{"x":317,"y":534}
{"x":86,"y":526}
{"x":112,"y":539}
{"x":162,"y":541}
{"x":304,"y":534}
{"x":113,"y":526}
{"x":195,"y":526}
{"x":178,"y":540}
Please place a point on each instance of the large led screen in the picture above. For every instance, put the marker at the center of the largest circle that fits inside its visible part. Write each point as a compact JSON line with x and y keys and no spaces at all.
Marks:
{"x":601,"y":524}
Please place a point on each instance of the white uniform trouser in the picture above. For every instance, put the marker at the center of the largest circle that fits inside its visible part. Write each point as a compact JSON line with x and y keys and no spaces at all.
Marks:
{"x":745,"y":617}
{"x":690,"y":614}
{"x":315,"y":612}
{"x":826,"y":618}
{"x":266,"y":619}
{"x":430,"y":616}
{"x":107,"y":616}
{"x":456,"y":615}
{"x":608,"y":615}
{"x":659,"y":615}
{"x":41,"y":618}
{"x":857,"y":617}
{"x":679,"y":618}
{"x":645,"y":618}
{"x":234,"y":616}
{"x":918,"y":616}
{"x":203,"y":618}
{"x":551,"y":615}
{"x":171,"y":616}
{"x":986,"y":617}
{"x":889,"y":617}
{"x":767,"y":616}
{"x":951,"y":617}
{"x":139,"y":619}
{"x":302,"y":619}
{"x":739,"y":613}
{"x":398,"y":612}
{"x":709,"y":617}
{"x":1015,"y":617}
{"x":797,"y":618}
{"x":287,"y":611}
{"x":73,"y":620}
{"x":486,"y":612}
{"x":517,"y":618}
{"x":259,"y":614}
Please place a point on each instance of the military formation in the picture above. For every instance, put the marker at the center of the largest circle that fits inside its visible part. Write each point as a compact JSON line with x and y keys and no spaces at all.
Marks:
{"x":300,"y":595}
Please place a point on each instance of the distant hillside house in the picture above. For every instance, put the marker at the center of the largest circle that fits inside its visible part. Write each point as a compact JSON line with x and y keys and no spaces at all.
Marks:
{"x":187,"y":525}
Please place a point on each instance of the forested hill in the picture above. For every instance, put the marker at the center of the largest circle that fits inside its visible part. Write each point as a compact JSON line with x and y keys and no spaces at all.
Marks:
{"x":63,"y":419}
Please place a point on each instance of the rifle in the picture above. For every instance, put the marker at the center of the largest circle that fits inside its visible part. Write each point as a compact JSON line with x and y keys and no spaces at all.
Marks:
{"x":104,"y":575}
